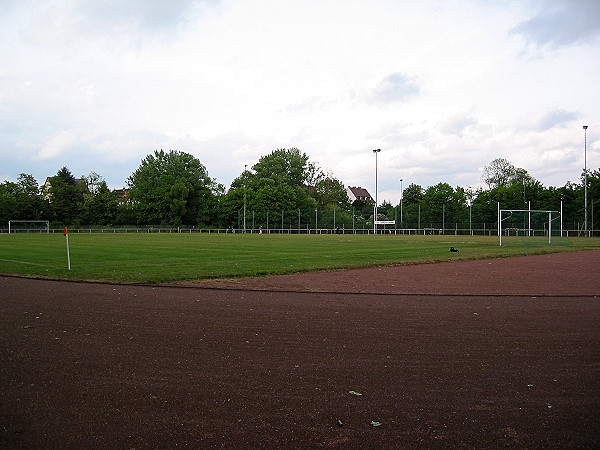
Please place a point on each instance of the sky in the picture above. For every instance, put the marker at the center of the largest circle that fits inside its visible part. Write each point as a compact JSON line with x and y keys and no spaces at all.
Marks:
{"x":442,"y":87}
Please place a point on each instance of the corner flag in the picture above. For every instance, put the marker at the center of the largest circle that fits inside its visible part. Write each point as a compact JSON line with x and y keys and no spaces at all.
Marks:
{"x":66,"y":234}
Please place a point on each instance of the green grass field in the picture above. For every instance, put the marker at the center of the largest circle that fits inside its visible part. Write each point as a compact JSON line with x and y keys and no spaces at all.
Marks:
{"x":160,"y":258}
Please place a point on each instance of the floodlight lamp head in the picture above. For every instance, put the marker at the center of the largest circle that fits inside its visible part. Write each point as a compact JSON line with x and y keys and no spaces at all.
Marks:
{"x":585,"y":127}
{"x":377,"y":150}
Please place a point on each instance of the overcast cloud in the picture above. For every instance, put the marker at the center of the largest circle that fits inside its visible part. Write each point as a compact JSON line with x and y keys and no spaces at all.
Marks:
{"x":562,"y":23}
{"x":443,"y":87}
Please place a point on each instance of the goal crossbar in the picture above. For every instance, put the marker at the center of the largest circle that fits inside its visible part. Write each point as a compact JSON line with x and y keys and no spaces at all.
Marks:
{"x":529,"y":211}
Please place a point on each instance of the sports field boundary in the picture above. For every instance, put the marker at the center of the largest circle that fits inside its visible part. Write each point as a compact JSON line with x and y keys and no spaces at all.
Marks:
{"x":446,"y":273}
{"x":180,"y":258}
{"x":296,"y":291}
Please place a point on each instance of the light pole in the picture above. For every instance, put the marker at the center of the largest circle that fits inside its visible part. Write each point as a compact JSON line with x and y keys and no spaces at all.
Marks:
{"x":245,"y":166}
{"x":377,"y":150}
{"x":443,"y":218}
{"x":401,"y":198}
{"x":470,"y":202}
{"x":585,"y":183}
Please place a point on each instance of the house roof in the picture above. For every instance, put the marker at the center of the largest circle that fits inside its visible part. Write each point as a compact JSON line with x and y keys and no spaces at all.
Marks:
{"x":359,"y":193}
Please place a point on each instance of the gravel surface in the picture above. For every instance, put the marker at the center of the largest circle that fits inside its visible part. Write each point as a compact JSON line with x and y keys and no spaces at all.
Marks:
{"x":487,"y":354}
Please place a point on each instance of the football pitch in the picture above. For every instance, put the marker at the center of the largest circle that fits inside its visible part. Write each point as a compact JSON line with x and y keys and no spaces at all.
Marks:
{"x":163,"y":258}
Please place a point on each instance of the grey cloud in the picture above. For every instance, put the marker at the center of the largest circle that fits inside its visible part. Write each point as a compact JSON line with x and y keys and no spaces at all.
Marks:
{"x":557,"y":118}
{"x":64,"y":22}
{"x":562,"y":23}
{"x":396,"y":87}
{"x":145,"y":13}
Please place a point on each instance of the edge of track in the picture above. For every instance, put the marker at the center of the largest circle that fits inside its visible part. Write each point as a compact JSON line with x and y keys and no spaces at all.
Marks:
{"x":298,"y":291}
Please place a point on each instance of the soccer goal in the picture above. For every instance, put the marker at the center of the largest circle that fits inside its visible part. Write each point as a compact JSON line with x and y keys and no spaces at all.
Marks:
{"x":528,"y":223}
{"x":28,"y":226}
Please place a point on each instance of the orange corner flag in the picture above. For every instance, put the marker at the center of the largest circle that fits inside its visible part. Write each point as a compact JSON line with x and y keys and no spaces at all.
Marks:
{"x":65,"y":231}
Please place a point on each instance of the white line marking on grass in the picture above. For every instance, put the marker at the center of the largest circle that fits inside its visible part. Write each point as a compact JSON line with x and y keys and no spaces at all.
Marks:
{"x":28,"y":263}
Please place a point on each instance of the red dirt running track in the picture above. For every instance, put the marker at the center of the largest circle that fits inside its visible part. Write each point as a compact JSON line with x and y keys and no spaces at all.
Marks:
{"x":486,"y":354}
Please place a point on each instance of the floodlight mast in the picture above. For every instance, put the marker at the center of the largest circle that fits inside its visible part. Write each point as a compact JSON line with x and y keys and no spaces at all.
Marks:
{"x":245,"y":168}
{"x":585,"y":182}
{"x":377,"y":150}
{"x":401,"y":198}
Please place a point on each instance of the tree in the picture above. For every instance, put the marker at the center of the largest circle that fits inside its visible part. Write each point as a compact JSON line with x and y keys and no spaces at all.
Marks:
{"x":231,"y":206}
{"x":412,"y":195}
{"x":31,"y":204}
{"x":28,"y":185}
{"x":281,"y":181}
{"x":173,"y":188}
{"x":498,"y":173}
{"x":274,"y":198}
{"x":363,"y":209}
{"x":8,"y":202}
{"x":385,"y":211}
{"x":442,"y":203}
{"x":22,"y":200}
{"x":290,"y":167}
{"x":100,"y":207}
{"x":65,"y":175}
{"x":66,"y":196}
{"x":330,"y":192}
{"x":93,"y":182}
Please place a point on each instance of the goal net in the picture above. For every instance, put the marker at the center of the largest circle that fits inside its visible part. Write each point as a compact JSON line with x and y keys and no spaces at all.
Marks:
{"x":28,"y":226}
{"x":528,"y":223}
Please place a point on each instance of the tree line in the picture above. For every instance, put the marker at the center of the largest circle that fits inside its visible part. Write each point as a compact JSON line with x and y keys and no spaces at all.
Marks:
{"x":283,"y":189}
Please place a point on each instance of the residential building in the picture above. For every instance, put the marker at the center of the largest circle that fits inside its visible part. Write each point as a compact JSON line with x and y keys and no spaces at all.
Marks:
{"x":358,"y":193}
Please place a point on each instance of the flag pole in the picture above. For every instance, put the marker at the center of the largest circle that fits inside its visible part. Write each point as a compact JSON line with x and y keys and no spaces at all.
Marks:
{"x":66,"y":233}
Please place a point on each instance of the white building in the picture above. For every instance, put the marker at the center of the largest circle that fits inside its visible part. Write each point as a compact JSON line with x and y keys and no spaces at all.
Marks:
{"x":358,"y":193}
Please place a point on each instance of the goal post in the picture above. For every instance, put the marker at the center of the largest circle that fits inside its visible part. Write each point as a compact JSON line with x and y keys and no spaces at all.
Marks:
{"x":28,"y":226}
{"x":523,"y":222}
